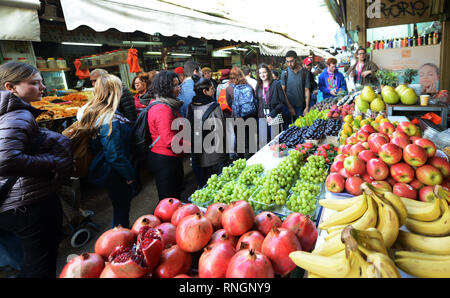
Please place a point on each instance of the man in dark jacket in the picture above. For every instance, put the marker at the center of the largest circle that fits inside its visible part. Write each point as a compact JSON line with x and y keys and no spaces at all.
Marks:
{"x":307,"y":66}
{"x":126,"y":106}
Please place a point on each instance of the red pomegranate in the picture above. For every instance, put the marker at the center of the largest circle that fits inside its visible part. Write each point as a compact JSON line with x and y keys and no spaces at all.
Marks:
{"x":193,"y":232}
{"x":304,"y":228}
{"x":174,"y":261}
{"x":182,"y":276}
{"x":250,"y":240}
{"x":213,"y":262}
{"x":145,"y":220}
{"x":222,"y":236}
{"x":168,"y":232}
{"x":182,"y":212}
{"x":165,"y":209}
{"x":150,"y":243}
{"x":113,"y":238}
{"x":214,"y":214}
{"x":249,"y":264}
{"x":277,"y":246}
{"x":265,"y":221}
{"x":86,"y":265}
{"x":128,"y":262}
{"x":238,"y":218}
{"x":108,"y":273}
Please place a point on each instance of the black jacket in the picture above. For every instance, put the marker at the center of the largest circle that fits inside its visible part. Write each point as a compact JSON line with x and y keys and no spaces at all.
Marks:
{"x":126,"y":106}
{"x":275,"y":99}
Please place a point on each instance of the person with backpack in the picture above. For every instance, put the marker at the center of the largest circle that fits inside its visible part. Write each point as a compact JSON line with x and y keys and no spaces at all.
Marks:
{"x":206,"y":117}
{"x":296,"y":85}
{"x":110,"y":145}
{"x":241,"y":98}
{"x":33,"y":162}
{"x":270,"y":104}
{"x":162,"y":160}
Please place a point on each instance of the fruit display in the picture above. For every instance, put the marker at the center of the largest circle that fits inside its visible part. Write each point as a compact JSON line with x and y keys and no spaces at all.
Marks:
{"x":293,"y":136}
{"x":311,"y":117}
{"x":327,"y":151}
{"x":316,"y":131}
{"x":401,"y":94}
{"x":60,"y":107}
{"x":240,"y":245}
{"x":333,"y":127}
{"x":303,"y":198}
{"x":364,"y":238}
{"x":392,"y":153}
{"x":314,"y":170}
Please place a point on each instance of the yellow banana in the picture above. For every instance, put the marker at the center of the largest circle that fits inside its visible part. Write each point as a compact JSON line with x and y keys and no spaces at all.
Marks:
{"x":313,"y":275}
{"x":424,"y":268}
{"x":370,"y":240}
{"x":428,"y":211}
{"x":382,"y":264}
{"x":398,"y":205}
{"x":388,"y":222}
{"x":359,"y":267}
{"x":348,"y":215}
{"x":430,"y":245}
{"x":442,"y":193}
{"x":330,"y":247}
{"x":336,"y":233}
{"x":438,"y":227}
{"x":420,"y":255}
{"x":327,"y":267}
{"x":339,"y":204}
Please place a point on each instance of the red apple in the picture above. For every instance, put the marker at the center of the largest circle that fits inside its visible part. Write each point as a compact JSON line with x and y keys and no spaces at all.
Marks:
{"x":415,"y":155}
{"x":416,"y":184}
{"x":336,"y":166}
{"x":428,"y":145}
{"x":414,"y":138}
{"x":402,"y":172}
{"x":426,"y":194}
{"x":400,"y":141}
{"x":351,"y":140}
{"x":429,"y":175}
{"x":346,"y":149}
{"x":354,"y":165}
{"x":335,"y":183}
{"x":391,"y":181}
{"x":446,"y":184}
{"x":400,"y":134}
{"x":386,"y":128}
{"x":353,"y":185}
{"x":390,"y":154}
{"x":367,"y":178}
{"x":340,"y":157}
{"x":368,"y":128}
{"x":442,"y":164}
{"x":379,"y":134}
{"x":376,"y":143}
{"x":366,"y":155}
{"x":377,"y":169}
{"x":343,"y":172}
{"x":405,"y":190}
{"x":382,"y":185}
{"x":407,"y":127}
{"x":366,"y":145}
{"x":362,"y":136}
{"x":356,"y":149}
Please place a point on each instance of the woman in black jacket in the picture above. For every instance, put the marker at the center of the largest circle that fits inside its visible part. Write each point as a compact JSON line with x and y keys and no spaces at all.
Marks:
{"x":270,"y":104}
{"x":38,"y":158}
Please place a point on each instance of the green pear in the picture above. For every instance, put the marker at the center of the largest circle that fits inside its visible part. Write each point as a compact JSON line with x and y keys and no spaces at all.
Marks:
{"x":377,"y":105}
{"x":408,"y":96}
{"x":362,"y":105}
{"x":368,"y":94}
{"x":390,"y":96}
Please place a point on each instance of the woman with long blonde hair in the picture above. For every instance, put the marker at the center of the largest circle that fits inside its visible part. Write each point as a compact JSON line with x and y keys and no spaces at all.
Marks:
{"x":111,"y":146}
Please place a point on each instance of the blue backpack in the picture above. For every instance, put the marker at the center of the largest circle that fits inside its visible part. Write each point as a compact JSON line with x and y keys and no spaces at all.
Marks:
{"x":244,"y":101}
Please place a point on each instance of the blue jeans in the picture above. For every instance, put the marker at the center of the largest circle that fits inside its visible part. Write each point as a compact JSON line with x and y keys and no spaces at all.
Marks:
{"x":120,"y":194}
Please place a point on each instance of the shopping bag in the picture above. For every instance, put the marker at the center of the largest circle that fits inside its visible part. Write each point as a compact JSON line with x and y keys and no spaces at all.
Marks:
{"x":133,"y":62}
{"x":81,"y":147}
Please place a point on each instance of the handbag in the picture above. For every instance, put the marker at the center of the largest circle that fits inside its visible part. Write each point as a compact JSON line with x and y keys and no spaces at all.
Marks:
{"x":81,"y":148}
{"x":277,"y":120}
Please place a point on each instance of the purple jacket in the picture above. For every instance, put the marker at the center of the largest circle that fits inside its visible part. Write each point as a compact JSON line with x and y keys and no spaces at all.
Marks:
{"x":36,"y":167}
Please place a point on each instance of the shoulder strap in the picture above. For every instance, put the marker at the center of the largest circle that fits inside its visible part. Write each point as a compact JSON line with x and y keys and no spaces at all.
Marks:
{"x":159,"y":102}
{"x":210,"y":109}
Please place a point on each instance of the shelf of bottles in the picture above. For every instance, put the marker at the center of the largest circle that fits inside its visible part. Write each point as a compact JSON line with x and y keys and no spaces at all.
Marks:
{"x":405,"y":42}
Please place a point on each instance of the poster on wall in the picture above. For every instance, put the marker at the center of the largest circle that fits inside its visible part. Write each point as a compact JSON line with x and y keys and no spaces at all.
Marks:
{"x":424,"y":59}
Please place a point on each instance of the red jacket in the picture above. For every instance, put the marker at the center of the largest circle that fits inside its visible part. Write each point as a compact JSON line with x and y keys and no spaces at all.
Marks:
{"x":137,"y":103}
{"x":160,"y":120}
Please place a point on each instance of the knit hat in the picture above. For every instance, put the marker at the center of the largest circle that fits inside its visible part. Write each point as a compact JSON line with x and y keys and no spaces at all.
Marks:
{"x":179,"y":70}
{"x":225,"y":74}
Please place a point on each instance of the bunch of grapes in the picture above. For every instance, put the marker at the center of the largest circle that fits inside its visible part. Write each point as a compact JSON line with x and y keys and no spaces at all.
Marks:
{"x":241,"y":192}
{"x":315,"y":170}
{"x":266,"y":197}
{"x":250,"y":174}
{"x":303,"y":197}
{"x":233,"y":171}
{"x":203,"y":195}
{"x":224,"y":194}
{"x":287,"y":171}
{"x":213,"y":182}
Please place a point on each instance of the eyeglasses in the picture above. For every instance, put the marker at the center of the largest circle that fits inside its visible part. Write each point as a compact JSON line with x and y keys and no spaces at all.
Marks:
{"x":362,"y":53}
{"x":290,"y":61}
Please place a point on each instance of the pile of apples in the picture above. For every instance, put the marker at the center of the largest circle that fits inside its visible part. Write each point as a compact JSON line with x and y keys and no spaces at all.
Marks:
{"x":392,"y":157}
{"x":337,"y":112}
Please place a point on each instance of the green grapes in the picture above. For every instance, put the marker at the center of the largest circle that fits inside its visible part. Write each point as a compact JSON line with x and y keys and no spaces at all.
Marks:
{"x":232,"y":172}
{"x":304,"y":197}
{"x":203,"y":195}
{"x":315,"y":170}
{"x":233,"y":191}
{"x":214,"y":182}
{"x":250,"y":174}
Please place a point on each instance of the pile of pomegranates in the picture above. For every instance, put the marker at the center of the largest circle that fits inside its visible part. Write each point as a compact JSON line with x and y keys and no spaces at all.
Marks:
{"x":180,"y":241}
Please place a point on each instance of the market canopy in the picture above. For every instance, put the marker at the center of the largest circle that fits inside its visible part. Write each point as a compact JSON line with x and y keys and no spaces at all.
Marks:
{"x":153,"y":16}
{"x":19,"y":20}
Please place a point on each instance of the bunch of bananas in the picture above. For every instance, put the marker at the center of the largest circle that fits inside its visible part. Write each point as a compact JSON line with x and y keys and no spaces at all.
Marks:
{"x":364,"y":256}
{"x":425,"y":251}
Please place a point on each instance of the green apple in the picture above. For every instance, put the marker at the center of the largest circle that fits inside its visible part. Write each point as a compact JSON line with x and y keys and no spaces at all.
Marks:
{"x":408,"y":96}
{"x":390,"y":96}
{"x":377,"y":105}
